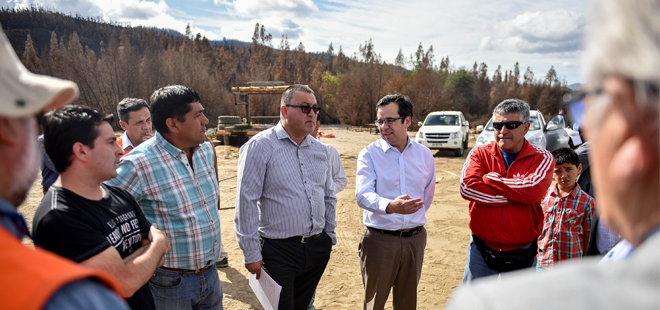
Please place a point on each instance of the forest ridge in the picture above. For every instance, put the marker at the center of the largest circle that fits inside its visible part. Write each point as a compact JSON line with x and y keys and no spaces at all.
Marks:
{"x":110,"y":61}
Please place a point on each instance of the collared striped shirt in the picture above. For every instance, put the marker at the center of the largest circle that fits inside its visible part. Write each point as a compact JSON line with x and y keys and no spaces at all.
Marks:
{"x":180,"y":200}
{"x":284,"y":190}
{"x":566,"y":220}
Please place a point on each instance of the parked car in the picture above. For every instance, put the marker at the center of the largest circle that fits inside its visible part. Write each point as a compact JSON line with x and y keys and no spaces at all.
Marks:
{"x":559,"y":131}
{"x":556,"y":134}
{"x":535,"y":135}
{"x":446,"y":130}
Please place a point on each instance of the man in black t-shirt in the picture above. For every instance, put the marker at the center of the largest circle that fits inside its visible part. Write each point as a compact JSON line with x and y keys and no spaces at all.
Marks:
{"x":97,"y":225}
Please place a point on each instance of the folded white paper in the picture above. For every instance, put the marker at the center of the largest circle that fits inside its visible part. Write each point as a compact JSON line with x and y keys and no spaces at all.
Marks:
{"x":266,"y":289}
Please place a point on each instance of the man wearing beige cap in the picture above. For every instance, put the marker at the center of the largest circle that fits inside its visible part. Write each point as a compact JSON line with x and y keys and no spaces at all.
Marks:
{"x":35,"y":279}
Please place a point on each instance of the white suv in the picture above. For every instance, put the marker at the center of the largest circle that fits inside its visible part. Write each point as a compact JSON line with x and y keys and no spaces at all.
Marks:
{"x":444,"y":130}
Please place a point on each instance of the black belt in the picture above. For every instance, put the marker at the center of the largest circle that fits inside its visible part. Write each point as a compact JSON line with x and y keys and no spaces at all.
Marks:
{"x":305,"y":239}
{"x":400,"y":233}
{"x":184,"y":271}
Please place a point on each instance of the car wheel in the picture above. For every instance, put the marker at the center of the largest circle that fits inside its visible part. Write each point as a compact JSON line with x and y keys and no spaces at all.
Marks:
{"x":459,"y":152}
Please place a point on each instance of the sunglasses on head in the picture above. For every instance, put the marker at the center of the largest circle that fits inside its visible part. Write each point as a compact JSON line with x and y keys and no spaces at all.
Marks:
{"x":509,"y":125}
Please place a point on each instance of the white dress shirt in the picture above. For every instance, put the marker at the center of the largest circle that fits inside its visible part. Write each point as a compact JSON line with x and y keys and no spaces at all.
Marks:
{"x":338,"y":174}
{"x":126,"y":142}
{"x":384,"y":173}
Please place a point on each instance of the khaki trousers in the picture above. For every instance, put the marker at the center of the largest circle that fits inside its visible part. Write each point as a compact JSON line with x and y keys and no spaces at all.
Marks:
{"x":391,"y":262}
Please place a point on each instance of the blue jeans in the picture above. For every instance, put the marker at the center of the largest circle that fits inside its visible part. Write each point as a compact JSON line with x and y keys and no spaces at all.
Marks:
{"x":475,"y":267}
{"x":173,"y":290}
{"x":311,"y":303}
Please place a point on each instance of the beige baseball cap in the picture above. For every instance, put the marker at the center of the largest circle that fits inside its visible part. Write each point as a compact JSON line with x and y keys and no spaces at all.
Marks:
{"x":23,"y":93}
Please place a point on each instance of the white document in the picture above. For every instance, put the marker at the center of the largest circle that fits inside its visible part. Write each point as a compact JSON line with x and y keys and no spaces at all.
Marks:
{"x":576,"y":140}
{"x":266,"y":289}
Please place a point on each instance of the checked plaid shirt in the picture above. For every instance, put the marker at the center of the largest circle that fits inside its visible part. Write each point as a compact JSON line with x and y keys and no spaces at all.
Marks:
{"x":180,"y":200}
{"x":566,"y":219}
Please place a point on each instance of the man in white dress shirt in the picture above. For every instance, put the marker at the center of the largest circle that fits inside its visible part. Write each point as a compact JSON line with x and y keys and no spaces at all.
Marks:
{"x":135,"y":119}
{"x":395,"y":183}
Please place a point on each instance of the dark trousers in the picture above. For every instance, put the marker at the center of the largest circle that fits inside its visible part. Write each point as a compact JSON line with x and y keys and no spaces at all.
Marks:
{"x":297,"y":267}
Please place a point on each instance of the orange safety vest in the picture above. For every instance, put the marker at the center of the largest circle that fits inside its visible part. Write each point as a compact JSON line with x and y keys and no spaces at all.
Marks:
{"x":130,"y":148}
{"x":31,"y":277}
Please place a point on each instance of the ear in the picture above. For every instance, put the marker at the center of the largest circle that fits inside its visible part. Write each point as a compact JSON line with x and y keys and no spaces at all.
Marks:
{"x":407,"y":121}
{"x":123,"y":125}
{"x":579,"y":169}
{"x":283,"y":110}
{"x":172,"y":125}
{"x":526,"y":125}
{"x":80,"y":152}
{"x":9,"y":131}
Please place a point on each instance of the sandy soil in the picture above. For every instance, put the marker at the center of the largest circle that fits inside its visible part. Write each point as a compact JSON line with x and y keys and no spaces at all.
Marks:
{"x":341,"y":285}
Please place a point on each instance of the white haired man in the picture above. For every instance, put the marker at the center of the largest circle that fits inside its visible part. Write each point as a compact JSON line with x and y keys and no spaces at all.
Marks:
{"x":621,"y":119}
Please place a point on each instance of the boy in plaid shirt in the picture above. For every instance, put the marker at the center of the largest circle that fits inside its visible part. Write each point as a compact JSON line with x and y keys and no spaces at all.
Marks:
{"x":567,"y":212}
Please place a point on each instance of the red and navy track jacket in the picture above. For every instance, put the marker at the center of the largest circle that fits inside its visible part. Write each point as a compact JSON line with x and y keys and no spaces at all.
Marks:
{"x":505,"y":209}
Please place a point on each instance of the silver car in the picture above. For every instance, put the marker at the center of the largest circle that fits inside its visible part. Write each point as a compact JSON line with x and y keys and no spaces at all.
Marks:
{"x":535,"y":135}
{"x":558,"y":133}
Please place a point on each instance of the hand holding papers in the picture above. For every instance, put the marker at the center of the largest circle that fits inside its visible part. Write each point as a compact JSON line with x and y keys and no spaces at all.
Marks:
{"x":266,"y":289}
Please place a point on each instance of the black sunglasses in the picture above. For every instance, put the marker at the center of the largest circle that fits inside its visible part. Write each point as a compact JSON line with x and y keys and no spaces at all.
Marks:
{"x":305,"y":108}
{"x":509,"y":125}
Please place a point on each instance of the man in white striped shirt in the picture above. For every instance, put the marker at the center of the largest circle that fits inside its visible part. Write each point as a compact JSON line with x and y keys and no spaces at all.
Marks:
{"x":285,"y":212}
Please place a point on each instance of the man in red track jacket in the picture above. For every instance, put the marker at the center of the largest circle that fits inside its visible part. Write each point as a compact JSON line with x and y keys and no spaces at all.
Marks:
{"x":505,"y":182}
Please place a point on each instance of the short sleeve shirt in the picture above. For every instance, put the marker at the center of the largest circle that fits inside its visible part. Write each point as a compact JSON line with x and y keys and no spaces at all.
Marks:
{"x":79,"y":228}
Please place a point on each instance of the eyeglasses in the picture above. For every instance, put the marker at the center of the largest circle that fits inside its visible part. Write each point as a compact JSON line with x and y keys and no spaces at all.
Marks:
{"x":305,"y":108}
{"x":509,"y":125}
{"x":389,"y":121}
{"x":575,"y":104}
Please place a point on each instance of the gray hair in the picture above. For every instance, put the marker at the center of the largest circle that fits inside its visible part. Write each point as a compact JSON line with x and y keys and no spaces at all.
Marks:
{"x":513,"y":106}
{"x":622,"y":40}
{"x":287,"y":96}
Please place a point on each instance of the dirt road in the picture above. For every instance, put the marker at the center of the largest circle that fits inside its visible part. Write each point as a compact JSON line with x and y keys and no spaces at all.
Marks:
{"x":341,"y":285}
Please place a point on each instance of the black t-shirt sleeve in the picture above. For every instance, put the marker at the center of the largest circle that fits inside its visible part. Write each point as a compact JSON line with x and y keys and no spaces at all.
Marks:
{"x":144,"y":224}
{"x":70,"y":236}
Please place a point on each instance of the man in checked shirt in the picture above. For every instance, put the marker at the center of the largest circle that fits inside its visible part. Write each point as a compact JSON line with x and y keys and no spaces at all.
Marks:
{"x":173,"y":178}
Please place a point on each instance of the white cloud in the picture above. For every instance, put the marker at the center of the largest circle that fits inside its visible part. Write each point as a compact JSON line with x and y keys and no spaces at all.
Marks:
{"x":538,"y":32}
{"x":278,"y":26}
{"x":485,"y":44}
{"x":533,"y":33}
{"x":133,"y":12}
{"x":270,"y":8}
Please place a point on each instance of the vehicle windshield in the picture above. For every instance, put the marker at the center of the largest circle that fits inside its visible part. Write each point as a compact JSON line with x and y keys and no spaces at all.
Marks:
{"x":533,"y":120}
{"x":442,"y":120}
{"x":558,"y":120}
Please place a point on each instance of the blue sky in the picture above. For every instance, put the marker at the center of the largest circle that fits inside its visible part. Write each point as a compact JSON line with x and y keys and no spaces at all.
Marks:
{"x":538,"y":34}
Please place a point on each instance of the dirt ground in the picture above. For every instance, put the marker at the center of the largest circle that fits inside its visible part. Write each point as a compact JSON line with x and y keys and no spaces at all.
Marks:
{"x":341,"y":285}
